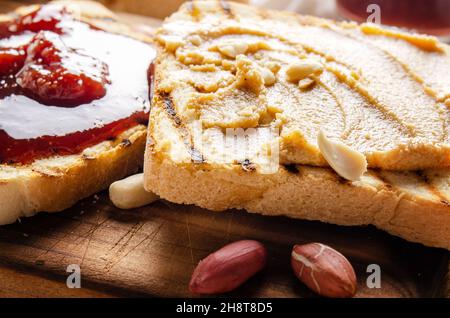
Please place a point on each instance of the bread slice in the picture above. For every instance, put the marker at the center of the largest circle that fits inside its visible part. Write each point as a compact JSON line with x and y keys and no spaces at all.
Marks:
{"x":54,"y":184}
{"x":414,"y":205}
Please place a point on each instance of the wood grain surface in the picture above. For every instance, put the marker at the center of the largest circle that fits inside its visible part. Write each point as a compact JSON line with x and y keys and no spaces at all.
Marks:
{"x":151,"y":251}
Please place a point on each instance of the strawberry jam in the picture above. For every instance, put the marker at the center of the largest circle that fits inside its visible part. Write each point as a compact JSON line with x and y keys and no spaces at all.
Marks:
{"x":66,"y":86}
{"x":46,"y":18}
{"x":56,"y":75}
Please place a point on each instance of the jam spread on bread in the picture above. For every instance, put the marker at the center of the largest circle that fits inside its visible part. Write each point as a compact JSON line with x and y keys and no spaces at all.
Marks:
{"x":66,"y":85}
{"x":55,"y":75}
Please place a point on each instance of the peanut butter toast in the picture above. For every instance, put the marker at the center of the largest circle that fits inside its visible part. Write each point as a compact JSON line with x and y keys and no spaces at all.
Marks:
{"x":278,"y":80}
{"x":385,"y":94}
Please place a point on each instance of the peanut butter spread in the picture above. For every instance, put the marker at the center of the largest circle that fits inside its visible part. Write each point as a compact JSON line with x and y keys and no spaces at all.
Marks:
{"x":382,"y":92}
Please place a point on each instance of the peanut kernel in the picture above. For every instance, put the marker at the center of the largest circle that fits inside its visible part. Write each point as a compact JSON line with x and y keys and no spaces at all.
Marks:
{"x":195,"y":39}
{"x":171,"y":42}
{"x":300,"y":70}
{"x":274,"y":67}
{"x":269,"y":78}
{"x":129,"y":193}
{"x":350,"y":164}
{"x":306,"y":83}
{"x":232,"y":49}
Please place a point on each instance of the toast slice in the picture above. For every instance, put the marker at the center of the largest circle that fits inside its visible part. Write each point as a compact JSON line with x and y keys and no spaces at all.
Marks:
{"x":55,"y":183}
{"x":203,"y":89}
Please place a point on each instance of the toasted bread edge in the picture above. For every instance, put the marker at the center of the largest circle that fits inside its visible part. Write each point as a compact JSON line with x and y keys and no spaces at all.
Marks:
{"x":310,"y":193}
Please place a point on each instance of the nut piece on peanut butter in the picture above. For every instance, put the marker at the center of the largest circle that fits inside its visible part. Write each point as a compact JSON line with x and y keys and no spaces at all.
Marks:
{"x":300,"y":70}
{"x":348,"y":163}
{"x":268,"y":76}
{"x":306,"y":83}
{"x":232,"y":49}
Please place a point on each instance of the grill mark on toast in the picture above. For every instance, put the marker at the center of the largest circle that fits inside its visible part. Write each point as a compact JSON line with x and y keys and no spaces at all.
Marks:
{"x":196,"y":155}
{"x":422,"y":178}
{"x":343,"y":181}
{"x":375,"y":173}
{"x":292,"y":168}
{"x":226,"y":8}
{"x":87,"y":157}
{"x":125,"y":142}
{"x":48,"y":172}
{"x":431,"y":187}
{"x":247,"y":165}
{"x":170,"y":109}
{"x":108,"y":19}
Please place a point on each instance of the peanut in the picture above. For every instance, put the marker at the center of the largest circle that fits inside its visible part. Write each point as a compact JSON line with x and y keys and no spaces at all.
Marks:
{"x":196,"y":40}
{"x":229,"y":267}
{"x":269,"y":78}
{"x":274,"y":67}
{"x":347,"y":162}
{"x":306,"y":83}
{"x":300,"y":70}
{"x":233,"y":49}
{"x":324,"y":270}
{"x":171,"y":42}
{"x":129,"y":193}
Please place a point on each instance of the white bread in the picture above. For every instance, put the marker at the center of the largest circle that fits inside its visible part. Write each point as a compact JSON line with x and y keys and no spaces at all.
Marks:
{"x":54,"y":184}
{"x":412,"y":205}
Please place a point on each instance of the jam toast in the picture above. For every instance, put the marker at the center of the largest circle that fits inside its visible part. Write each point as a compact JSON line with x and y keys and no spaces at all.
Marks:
{"x":74,"y":103}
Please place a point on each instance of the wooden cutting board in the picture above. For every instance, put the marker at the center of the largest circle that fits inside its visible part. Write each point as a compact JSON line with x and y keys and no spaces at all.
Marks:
{"x":152,"y":251}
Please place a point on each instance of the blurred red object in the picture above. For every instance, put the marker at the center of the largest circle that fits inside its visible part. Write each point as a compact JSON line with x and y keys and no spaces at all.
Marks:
{"x":427,"y":16}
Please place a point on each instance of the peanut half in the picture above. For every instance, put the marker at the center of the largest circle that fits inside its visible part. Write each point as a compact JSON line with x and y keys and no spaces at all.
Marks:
{"x":130,"y":193}
{"x":232,"y":49}
{"x":347,"y":162}
{"x":324,"y":270}
{"x":229,"y":267}
{"x":303,"y":69}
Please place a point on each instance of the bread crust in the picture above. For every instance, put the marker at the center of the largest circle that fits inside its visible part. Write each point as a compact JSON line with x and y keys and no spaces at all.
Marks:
{"x":54,"y":184}
{"x":311,"y":193}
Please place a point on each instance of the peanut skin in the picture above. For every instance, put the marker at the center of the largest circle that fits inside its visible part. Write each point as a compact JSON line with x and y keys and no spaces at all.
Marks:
{"x":229,"y":267}
{"x":324,"y":270}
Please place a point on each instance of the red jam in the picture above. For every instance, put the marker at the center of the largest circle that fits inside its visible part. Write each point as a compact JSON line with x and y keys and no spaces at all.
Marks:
{"x":28,"y":150}
{"x":56,"y":75}
{"x":11,"y":60}
{"x":65,"y":86}
{"x":46,"y":18}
